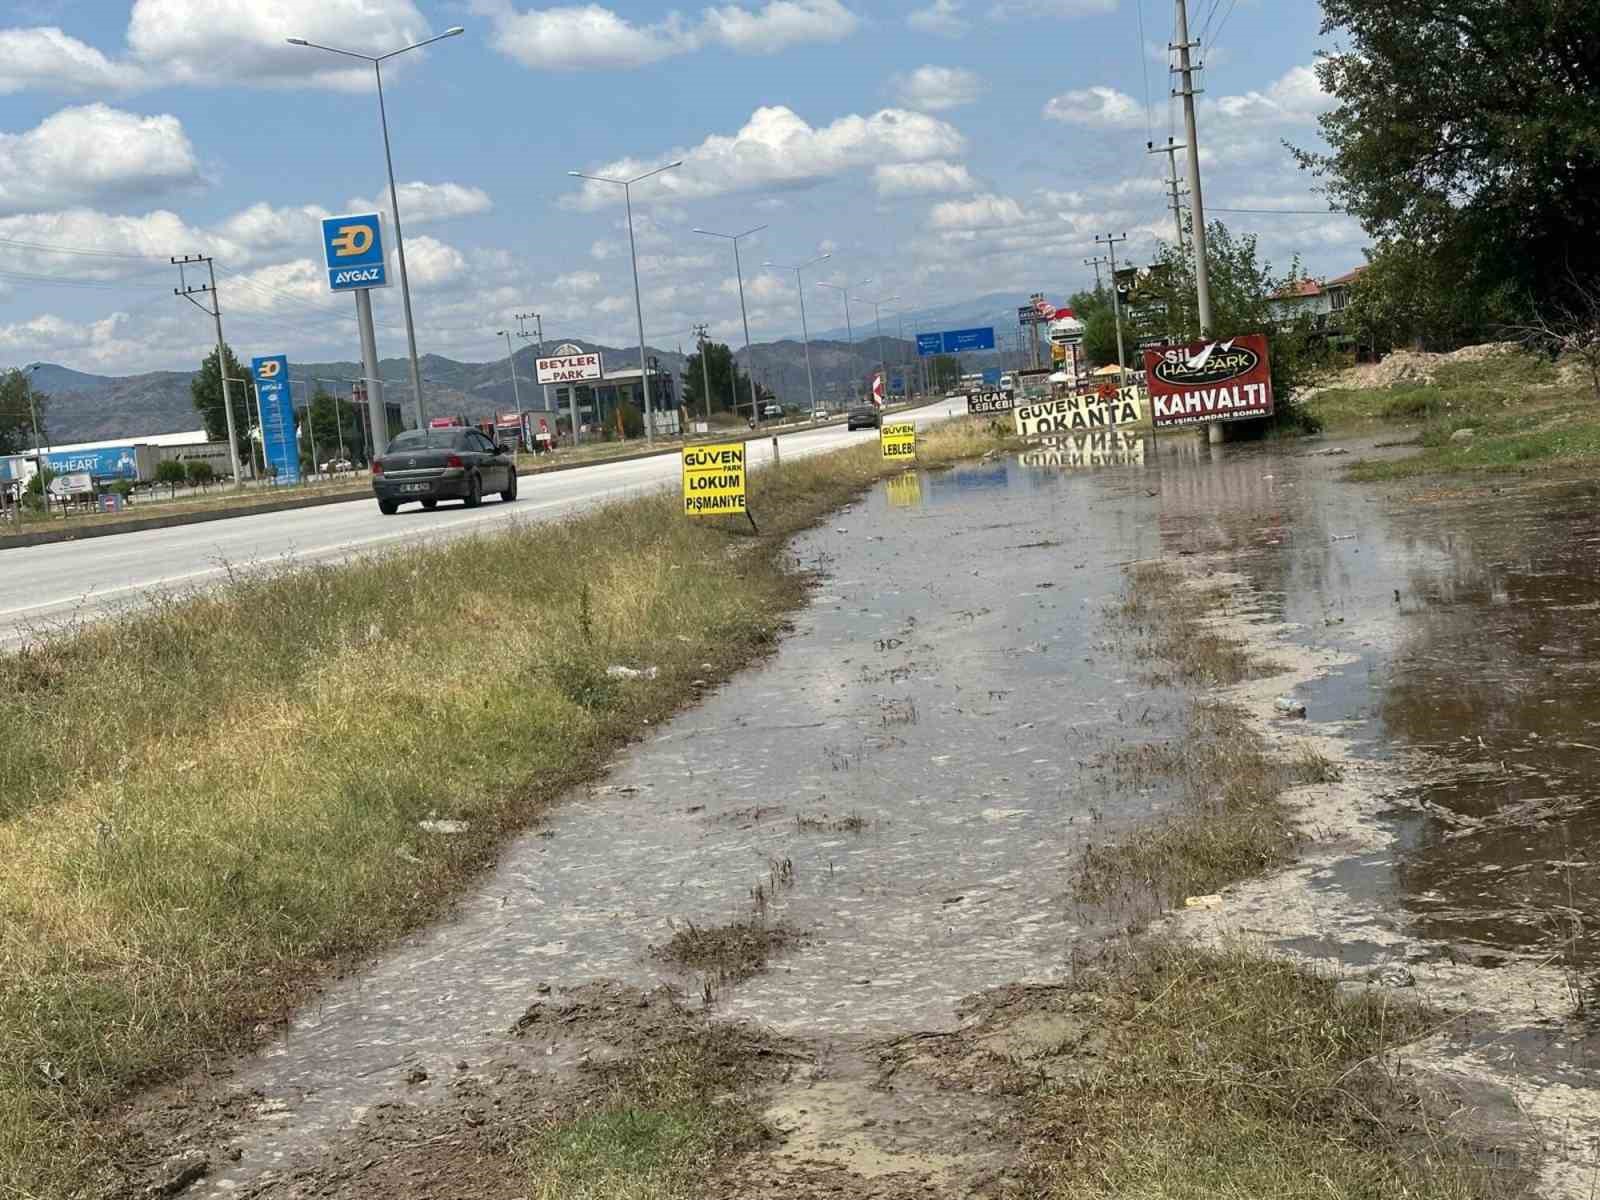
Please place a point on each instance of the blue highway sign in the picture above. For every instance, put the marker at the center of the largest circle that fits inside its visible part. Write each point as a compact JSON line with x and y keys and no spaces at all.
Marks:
{"x":956,"y":341}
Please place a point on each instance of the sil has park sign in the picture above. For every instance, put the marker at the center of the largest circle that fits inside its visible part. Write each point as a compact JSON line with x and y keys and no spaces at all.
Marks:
{"x":1209,"y":381}
{"x":713,"y":480}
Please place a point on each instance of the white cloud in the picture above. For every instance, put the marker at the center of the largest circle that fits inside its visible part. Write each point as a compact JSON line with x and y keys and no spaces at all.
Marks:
{"x":1296,"y":98}
{"x":1101,"y":107}
{"x":777,"y":148}
{"x":47,"y":59}
{"x":583,"y":37}
{"x":978,"y":212}
{"x":921,"y":178}
{"x":121,"y":246}
{"x":261,"y":228}
{"x":79,"y":155}
{"x":578,"y":281}
{"x":942,"y":19}
{"x":420,"y":202}
{"x":203,"y":41}
{"x":934,"y":89}
{"x":429,"y":262}
{"x":778,"y":25}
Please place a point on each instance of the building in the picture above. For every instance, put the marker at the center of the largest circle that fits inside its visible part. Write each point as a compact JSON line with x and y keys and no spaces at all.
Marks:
{"x":598,"y":401}
{"x":1320,"y":299}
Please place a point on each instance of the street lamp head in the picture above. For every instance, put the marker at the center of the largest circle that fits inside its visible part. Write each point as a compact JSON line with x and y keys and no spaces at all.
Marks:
{"x":297,"y":41}
{"x":453,"y":31}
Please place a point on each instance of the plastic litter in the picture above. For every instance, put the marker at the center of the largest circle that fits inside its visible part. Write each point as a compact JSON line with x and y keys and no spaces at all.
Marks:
{"x":1289,"y":706}
{"x":445,"y":827}
{"x":1211,"y":901}
{"x":617,"y":671}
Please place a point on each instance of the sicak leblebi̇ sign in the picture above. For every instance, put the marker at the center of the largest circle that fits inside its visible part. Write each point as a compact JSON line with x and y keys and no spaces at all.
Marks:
{"x":1228,"y":380}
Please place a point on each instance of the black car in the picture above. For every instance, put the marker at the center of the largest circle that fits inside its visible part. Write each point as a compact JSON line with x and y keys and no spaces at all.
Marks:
{"x":430,"y":465}
{"x":865,"y":416}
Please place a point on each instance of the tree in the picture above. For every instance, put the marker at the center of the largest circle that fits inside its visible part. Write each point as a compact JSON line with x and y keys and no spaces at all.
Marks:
{"x":199,"y":472}
{"x":1408,"y":296}
{"x":18,"y":401}
{"x":722,"y":368}
{"x":1468,"y":129}
{"x":171,"y":472}
{"x":333,"y":425}
{"x":206,"y":391}
{"x":944,"y":372}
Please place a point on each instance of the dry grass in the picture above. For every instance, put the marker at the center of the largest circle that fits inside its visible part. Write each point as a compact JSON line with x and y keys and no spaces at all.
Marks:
{"x":207,"y":804}
{"x":1167,"y":614}
{"x":728,"y":954}
{"x":1230,"y":1074}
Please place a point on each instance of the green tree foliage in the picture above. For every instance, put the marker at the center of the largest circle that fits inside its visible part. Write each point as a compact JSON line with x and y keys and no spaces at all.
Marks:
{"x":1468,"y":131}
{"x":16,"y":413}
{"x":171,"y":472}
{"x":334,"y":426}
{"x":944,"y":372}
{"x":206,"y":391}
{"x":1406,"y":297}
{"x":725,"y":376}
{"x":199,"y":472}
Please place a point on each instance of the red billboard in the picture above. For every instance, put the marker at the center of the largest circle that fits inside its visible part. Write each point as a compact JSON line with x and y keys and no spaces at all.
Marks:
{"x":1220,"y":380}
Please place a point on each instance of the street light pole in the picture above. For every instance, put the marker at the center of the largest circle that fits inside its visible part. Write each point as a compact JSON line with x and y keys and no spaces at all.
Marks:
{"x":638,"y":305}
{"x":805,"y":334}
{"x":849,"y":330}
{"x":749,"y":350}
{"x":377,"y":62}
{"x":511,"y":361}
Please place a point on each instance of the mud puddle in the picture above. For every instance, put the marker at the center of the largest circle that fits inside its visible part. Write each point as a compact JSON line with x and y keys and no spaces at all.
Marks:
{"x":902,"y":787}
{"x":1443,"y":643}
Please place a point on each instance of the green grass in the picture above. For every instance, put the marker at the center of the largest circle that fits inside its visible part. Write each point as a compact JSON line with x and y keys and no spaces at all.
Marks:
{"x":655,"y":1132}
{"x":208,"y":804}
{"x":1232,"y":1075}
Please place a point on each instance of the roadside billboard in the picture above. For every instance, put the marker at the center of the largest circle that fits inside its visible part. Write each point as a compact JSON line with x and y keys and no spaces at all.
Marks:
{"x":352,"y":251}
{"x":1106,"y":408}
{"x":714,"y":480}
{"x":1209,"y":381}
{"x":280,"y":441}
{"x":570,"y":368}
{"x":987,"y":403}
{"x":105,"y":462}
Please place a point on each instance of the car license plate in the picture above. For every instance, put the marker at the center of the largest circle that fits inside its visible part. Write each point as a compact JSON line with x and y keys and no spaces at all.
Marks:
{"x":416,"y":487}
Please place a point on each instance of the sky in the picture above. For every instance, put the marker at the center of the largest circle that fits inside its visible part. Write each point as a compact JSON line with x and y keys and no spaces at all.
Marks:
{"x":941,"y":149}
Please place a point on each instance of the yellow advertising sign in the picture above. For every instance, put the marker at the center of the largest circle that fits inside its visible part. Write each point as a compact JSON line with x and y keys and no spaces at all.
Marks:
{"x":713,"y":480}
{"x":1083,"y":412}
{"x":899,"y":441}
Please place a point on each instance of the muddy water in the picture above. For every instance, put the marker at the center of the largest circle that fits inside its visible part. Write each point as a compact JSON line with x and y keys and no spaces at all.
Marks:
{"x":1472,"y":613}
{"x":901,"y":783}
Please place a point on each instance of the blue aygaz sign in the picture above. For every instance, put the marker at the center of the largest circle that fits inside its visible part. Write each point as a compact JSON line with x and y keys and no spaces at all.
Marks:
{"x":107,"y":462}
{"x":352,"y":247}
{"x":280,"y":442}
{"x":956,"y":341}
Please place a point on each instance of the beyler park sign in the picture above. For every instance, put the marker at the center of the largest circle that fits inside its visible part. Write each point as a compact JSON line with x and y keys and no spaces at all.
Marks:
{"x":1209,"y":381}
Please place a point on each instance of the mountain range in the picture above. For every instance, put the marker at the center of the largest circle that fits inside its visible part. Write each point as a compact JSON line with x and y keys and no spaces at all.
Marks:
{"x":85,"y":407}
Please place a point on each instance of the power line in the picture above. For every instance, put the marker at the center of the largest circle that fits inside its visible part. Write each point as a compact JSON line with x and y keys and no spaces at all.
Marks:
{"x":1224,"y":24}
{"x":1286,"y":212}
{"x":87,"y":253}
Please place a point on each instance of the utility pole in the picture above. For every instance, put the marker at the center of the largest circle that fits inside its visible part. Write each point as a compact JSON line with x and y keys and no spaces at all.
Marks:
{"x":522,"y":332}
{"x":188,"y":293}
{"x":700,"y":335}
{"x":1173,"y":194}
{"x":1096,"y":264}
{"x":1116,"y":304}
{"x":511,"y":361}
{"x":1197,"y":208}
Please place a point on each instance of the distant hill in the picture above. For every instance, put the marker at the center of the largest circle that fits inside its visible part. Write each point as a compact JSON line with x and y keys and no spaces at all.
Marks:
{"x":85,"y":407}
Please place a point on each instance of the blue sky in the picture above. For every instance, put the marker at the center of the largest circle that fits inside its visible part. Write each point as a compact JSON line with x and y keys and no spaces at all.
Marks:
{"x":944,"y":148}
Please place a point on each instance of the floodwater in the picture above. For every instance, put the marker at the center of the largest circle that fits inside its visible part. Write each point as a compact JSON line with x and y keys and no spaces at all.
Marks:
{"x":903,"y":782}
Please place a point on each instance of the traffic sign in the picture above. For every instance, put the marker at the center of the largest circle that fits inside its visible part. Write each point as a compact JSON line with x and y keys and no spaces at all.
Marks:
{"x":352,"y":248}
{"x":956,"y":341}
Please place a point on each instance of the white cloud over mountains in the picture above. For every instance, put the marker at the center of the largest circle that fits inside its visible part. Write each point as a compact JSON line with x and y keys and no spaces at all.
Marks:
{"x":777,"y":148}
{"x":581,"y":37}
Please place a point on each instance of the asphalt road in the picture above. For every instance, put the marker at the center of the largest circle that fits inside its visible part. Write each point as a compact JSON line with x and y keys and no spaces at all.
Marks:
{"x":44,"y":585}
